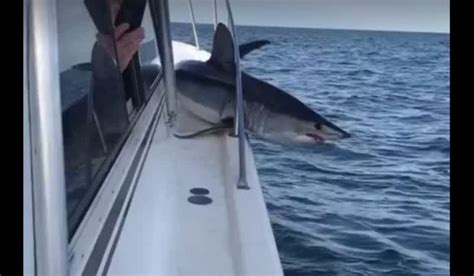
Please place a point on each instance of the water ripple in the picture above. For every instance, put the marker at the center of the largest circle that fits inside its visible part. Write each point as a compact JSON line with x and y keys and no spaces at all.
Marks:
{"x":378,"y":203}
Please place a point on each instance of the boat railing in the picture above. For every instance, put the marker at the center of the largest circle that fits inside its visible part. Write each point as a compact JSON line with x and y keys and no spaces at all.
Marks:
{"x":161,"y":20}
{"x":193,"y":20}
{"x":47,"y":159}
{"x":238,"y":130}
{"x":214,"y":5}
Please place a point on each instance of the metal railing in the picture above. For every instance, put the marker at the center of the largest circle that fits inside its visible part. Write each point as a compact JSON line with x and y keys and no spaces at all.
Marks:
{"x":239,"y":129}
{"x":161,"y":21}
{"x":193,"y":20}
{"x":215,"y":13}
{"x":159,"y":9}
{"x":49,"y":191}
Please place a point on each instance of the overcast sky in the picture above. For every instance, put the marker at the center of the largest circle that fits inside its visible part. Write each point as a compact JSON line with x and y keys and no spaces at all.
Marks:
{"x":394,"y":15}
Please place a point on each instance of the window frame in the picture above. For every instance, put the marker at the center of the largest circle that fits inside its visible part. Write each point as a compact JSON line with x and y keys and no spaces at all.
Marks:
{"x":132,"y":81}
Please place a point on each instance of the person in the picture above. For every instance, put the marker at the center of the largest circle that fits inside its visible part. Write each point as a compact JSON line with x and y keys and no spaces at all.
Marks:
{"x":109,"y":95}
{"x":94,"y":123}
{"x":127,"y":43}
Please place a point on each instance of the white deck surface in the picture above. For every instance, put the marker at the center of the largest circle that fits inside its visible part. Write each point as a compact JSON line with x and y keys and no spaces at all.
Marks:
{"x":164,"y":234}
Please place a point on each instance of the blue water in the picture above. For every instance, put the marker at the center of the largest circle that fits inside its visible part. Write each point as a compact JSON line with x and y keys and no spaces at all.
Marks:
{"x":377,"y":203}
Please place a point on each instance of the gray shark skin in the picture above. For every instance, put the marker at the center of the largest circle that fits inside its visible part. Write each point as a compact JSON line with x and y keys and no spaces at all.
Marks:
{"x":206,"y":98}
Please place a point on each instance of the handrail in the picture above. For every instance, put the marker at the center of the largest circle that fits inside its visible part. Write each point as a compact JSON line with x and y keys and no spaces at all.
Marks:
{"x":47,"y":155}
{"x":215,"y":13}
{"x":239,"y":108}
{"x":160,"y":11}
{"x":163,"y":33}
{"x":191,"y":11}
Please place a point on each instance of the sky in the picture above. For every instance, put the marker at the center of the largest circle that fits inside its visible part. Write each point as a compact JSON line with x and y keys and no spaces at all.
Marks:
{"x":388,"y":15}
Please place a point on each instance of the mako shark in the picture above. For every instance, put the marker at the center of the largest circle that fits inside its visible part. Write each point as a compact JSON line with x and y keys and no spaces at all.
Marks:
{"x":206,"y":100}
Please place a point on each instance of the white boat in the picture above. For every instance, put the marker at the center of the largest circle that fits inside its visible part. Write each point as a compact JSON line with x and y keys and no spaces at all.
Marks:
{"x":107,"y":188}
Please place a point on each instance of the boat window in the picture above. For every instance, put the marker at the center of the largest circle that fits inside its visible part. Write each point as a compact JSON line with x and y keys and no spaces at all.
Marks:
{"x":142,"y":72}
{"x":93,"y":98}
{"x":149,"y":58}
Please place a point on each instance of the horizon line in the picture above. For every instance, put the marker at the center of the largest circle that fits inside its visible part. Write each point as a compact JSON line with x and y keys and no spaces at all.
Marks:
{"x":324,"y":28}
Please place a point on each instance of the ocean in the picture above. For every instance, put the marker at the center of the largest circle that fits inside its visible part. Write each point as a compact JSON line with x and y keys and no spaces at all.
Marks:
{"x":376,"y":203}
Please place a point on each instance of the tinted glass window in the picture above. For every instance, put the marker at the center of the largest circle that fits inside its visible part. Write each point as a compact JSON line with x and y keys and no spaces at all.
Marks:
{"x":149,"y":58}
{"x":94,"y":102}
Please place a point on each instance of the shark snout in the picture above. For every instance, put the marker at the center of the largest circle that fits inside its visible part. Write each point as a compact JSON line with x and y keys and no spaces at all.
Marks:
{"x":327,"y":131}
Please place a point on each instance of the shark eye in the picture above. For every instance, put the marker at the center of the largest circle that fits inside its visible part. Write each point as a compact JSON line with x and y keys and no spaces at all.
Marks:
{"x":318,"y":126}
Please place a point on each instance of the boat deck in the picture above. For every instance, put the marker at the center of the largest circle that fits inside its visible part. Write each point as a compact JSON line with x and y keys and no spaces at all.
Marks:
{"x":164,"y":233}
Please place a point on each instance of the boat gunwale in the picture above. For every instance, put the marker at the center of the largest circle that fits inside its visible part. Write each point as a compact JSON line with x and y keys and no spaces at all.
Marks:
{"x":87,"y":233}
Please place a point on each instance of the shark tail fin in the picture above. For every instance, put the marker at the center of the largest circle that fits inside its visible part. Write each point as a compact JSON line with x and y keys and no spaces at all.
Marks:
{"x":246,"y":48}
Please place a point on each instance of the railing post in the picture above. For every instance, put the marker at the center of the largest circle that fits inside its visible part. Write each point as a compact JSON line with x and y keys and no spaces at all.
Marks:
{"x":160,"y":16}
{"x":239,"y":129}
{"x":193,"y":21}
{"x":215,"y":13}
{"x":49,"y":191}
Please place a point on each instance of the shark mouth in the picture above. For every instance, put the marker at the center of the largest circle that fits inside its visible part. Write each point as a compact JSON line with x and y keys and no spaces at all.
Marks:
{"x":315,"y":137}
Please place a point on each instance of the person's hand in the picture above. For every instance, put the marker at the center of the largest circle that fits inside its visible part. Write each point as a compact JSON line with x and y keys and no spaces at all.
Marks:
{"x":127,"y":43}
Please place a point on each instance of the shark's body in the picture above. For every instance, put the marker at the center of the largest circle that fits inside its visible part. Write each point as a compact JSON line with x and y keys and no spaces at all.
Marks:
{"x":206,"y":95}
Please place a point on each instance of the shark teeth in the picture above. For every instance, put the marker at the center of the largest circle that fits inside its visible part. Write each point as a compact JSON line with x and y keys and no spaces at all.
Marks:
{"x":315,"y":136}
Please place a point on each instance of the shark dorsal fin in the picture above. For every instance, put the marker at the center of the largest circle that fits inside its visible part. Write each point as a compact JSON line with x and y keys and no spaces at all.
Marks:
{"x":223,"y":48}
{"x":246,"y":48}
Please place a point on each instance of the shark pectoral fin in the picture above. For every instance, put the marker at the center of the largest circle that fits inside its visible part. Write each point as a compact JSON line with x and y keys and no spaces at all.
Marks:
{"x":225,"y":124}
{"x":200,"y":132}
{"x":188,"y":122}
{"x":189,"y":125}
